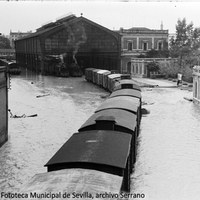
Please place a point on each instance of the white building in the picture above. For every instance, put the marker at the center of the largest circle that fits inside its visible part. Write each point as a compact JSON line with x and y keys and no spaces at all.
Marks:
{"x":138,"y":66}
{"x":196,"y":84}
{"x":139,"y":41}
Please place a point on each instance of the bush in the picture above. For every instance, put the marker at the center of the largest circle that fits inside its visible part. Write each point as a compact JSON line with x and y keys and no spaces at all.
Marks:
{"x":187,"y":74}
{"x":169,"y":69}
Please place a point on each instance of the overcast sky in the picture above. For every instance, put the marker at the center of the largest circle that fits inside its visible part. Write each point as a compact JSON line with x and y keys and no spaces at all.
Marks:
{"x":29,"y":15}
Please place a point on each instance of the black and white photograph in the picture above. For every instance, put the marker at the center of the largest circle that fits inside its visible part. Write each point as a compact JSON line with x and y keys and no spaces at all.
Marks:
{"x":99,"y":100}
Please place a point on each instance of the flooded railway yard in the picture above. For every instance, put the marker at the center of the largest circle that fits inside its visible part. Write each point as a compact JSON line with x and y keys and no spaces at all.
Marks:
{"x":33,"y":141}
{"x":168,"y":157}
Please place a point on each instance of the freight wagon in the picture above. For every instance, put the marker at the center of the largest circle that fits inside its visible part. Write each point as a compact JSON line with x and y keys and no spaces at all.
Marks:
{"x":100,"y":157}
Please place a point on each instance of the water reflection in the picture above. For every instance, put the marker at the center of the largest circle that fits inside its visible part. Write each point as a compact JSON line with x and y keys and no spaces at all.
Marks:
{"x":33,"y":141}
{"x":168,"y":164}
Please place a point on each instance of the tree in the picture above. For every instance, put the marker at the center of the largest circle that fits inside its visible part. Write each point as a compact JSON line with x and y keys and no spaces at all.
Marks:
{"x":157,"y":53}
{"x":185,"y":45}
{"x":4,"y":43}
{"x":153,"y":67}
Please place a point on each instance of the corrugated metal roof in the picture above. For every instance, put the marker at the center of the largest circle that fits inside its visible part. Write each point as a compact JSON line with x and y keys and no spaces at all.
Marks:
{"x":126,"y":92}
{"x":121,"y":102}
{"x":122,"y":118}
{"x":108,"y":148}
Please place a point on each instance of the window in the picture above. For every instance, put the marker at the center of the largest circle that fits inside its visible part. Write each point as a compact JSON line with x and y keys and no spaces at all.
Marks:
{"x":140,"y":65}
{"x":159,"y":45}
{"x":145,"y":46}
{"x":136,"y":68}
{"x":133,"y":69}
{"x":130,"y":46}
{"x":145,"y":69}
{"x":129,"y":67}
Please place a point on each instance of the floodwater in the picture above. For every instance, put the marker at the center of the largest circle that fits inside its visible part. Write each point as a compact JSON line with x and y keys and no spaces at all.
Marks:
{"x":168,"y":159}
{"x":68,"y":103}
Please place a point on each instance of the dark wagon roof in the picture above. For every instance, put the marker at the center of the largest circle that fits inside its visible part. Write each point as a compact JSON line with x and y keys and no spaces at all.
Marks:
{"x":121,"y":102}
{"x":108,"y":148}
{"x":126,"y":92}
{"x":126,"y":82}
{"x":122,"y":118}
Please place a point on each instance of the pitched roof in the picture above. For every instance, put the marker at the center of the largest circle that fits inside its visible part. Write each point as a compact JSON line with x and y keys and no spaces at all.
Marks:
{"x":138,"y":29}
{"x":142,"y":30}
{"x":63,"y":22}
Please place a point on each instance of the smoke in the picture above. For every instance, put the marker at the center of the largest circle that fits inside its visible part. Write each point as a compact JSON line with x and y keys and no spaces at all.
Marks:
{"x":76,"y":37}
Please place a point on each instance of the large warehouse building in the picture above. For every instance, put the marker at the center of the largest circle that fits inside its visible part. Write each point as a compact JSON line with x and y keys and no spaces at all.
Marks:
{"x":73,"y":40}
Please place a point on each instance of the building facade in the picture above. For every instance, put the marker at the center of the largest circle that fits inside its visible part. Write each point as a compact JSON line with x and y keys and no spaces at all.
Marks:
{"x":77,"y":39}
{"x":138,"y":67}
{"x":196,"y":84}
{"x":136,"y":42}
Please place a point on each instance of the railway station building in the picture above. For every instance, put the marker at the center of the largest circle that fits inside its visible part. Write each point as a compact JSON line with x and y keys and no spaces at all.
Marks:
{"x":138,"y":41}
{"x":73,"y":39}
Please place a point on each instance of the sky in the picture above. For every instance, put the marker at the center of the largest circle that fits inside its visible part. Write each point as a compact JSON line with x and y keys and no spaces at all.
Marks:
{"x":29,"y":15}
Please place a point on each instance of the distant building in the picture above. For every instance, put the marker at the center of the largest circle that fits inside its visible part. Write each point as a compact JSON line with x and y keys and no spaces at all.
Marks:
{"x":196,"y":84}
{"x":138,"y":66}
{"x":138,"y":41}
{"x":17,"y":35}
{"x":78,"y":39}
{"x":7,"y":53}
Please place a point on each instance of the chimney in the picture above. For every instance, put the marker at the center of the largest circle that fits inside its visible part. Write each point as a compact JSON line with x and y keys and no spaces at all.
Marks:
{"x":161,"y":26}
